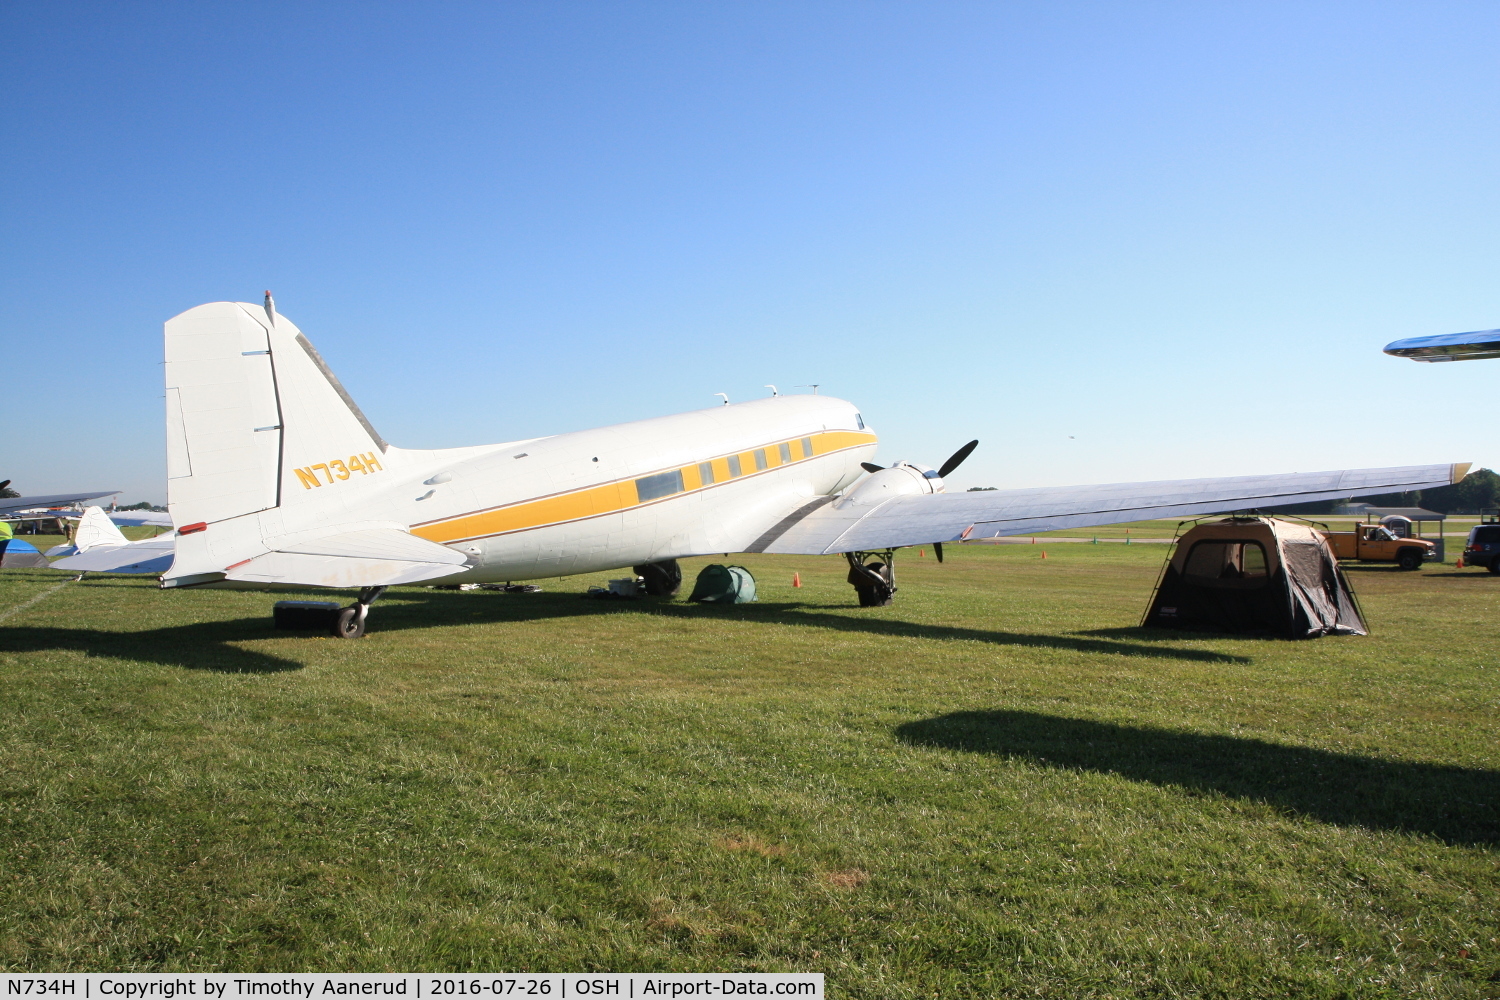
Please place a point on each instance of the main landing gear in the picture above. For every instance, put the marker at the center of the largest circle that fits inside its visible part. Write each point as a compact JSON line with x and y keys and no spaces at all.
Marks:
{"x":873,"y":576}
{"x":350,"y":621}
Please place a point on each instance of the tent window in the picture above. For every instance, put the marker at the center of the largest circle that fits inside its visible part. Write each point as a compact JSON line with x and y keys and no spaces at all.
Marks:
{"x":734,"y":466}
{"x":1217,"y":561}
{"x":663,"y":485}
{"x":706,"y":472}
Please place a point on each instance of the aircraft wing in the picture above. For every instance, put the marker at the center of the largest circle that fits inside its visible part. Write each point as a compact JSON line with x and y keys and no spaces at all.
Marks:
{"x":1448,"y":346}
{"x":156,"y":518}
{"x":51,"y":500}
{"x":368,"y":557}
{"x":826,"y":525}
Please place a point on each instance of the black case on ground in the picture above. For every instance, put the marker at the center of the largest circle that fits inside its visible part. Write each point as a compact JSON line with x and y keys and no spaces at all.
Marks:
{"x":305,"y":614}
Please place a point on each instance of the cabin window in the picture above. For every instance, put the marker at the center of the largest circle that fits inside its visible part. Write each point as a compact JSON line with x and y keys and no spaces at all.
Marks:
{"x":786,"y":452}
{"x":1217,"y":562}
{"x":760,"y":459}
{"x":807,"y":448}
{"x":734,"y":466}
{"x":706,"y":472}
{"x":661,"y":485}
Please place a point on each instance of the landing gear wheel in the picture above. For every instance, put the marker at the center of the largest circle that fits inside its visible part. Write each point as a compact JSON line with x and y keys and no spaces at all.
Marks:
{"x":875,"y":581}
{"x":1409,"y":559}
{"x":349,"y":624}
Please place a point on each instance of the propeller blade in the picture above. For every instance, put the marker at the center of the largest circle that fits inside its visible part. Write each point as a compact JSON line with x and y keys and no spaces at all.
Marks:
{"x":957,"y":458}
{"x":871,"y":467}
{"x":937,"y":550}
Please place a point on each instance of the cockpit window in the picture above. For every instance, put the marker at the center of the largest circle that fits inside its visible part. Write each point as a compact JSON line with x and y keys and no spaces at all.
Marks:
{"x":860,"y":421}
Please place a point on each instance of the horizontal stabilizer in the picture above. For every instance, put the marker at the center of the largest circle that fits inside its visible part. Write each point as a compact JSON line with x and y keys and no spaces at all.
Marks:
{"x":950,"y":517}
{"x":151,"y":555}
{"x":369,"y":557}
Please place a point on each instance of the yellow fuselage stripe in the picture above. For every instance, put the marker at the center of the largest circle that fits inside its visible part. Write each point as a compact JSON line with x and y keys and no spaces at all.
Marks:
{"x":607,"y":498}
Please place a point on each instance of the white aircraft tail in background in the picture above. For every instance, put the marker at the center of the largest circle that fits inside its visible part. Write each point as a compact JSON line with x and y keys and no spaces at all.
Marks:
{"x":95,"y":528}
{"x":100,"y":547}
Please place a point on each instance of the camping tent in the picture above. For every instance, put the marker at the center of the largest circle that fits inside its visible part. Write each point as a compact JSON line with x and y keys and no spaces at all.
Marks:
{"x":16,"y":554}
{"x":1255,"y":574}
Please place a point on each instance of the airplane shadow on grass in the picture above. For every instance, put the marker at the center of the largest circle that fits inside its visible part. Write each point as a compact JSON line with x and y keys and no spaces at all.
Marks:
{"x":201,"y":646}
{"x":446,"y":609}
{"x":212,"y":645}
{"x":1454,"y":804}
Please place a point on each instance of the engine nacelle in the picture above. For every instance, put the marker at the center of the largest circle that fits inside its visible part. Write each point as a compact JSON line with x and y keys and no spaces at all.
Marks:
{"x":901,"y":479}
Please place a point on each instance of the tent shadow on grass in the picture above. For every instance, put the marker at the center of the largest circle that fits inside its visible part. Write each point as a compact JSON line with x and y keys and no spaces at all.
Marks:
{"x":1455,"y":804}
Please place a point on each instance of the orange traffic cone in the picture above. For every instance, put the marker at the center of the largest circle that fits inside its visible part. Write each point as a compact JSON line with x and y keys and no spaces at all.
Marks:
{"x":796,"y":579}
{"x":1459,"y":564}
{"x":1044,"y":553}
{"x":921,"y":553}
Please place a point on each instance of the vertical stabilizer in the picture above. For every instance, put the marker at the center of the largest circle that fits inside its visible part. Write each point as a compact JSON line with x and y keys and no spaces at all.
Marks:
{"x":95,"y":528}
{"x":254,"y":417}
{"x":261,"y":437}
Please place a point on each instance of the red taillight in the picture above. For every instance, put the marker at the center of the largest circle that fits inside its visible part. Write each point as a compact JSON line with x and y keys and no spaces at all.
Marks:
{"x":188,"y":529}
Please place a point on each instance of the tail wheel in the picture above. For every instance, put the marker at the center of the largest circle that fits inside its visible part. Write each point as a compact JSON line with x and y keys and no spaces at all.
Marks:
{"x":350,"y":624}
{"x":1409,"y":558}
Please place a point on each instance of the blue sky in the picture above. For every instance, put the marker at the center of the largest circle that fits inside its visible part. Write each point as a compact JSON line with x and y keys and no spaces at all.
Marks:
{"x":1112,"y":241}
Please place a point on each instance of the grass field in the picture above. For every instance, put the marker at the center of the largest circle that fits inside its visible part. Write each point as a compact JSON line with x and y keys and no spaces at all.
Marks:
{"x":999,"y":786}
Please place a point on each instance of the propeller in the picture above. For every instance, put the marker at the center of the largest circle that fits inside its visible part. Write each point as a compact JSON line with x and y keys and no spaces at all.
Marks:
{"x":954,"y":461}
{"x":957,"y":458}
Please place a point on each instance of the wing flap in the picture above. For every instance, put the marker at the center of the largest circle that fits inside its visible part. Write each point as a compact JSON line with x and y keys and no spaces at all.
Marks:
{"x":946,"y":517}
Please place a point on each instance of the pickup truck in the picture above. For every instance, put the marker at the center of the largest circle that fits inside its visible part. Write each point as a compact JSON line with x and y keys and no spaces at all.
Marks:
{"x":1376,"y":543}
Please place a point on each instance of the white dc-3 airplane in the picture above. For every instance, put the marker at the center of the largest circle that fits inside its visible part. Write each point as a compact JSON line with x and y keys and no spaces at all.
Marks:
{"x":276,"y":479}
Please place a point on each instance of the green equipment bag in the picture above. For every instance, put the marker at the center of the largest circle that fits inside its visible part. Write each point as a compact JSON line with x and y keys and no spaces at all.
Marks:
{"x":724,"y":585}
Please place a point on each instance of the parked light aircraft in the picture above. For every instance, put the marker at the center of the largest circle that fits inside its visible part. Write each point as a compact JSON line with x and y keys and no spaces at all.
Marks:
{"x":99,"y":546}
{"x":276,"y":479}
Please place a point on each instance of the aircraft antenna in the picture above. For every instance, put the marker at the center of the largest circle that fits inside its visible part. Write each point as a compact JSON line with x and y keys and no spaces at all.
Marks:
{"x":773,"y":390}
{"x":725,"y":397}
{"x":813,"y":386}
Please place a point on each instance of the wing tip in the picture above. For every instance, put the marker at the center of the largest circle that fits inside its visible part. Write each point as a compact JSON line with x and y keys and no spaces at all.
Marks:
{"x":1460,"y":470}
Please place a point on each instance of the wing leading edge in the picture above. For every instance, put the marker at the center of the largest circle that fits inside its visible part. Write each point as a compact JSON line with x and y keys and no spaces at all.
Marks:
{"x":844,"y":526}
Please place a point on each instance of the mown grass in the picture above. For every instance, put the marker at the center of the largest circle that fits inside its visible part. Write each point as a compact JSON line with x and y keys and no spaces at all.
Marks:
{"x":999,"y":786}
